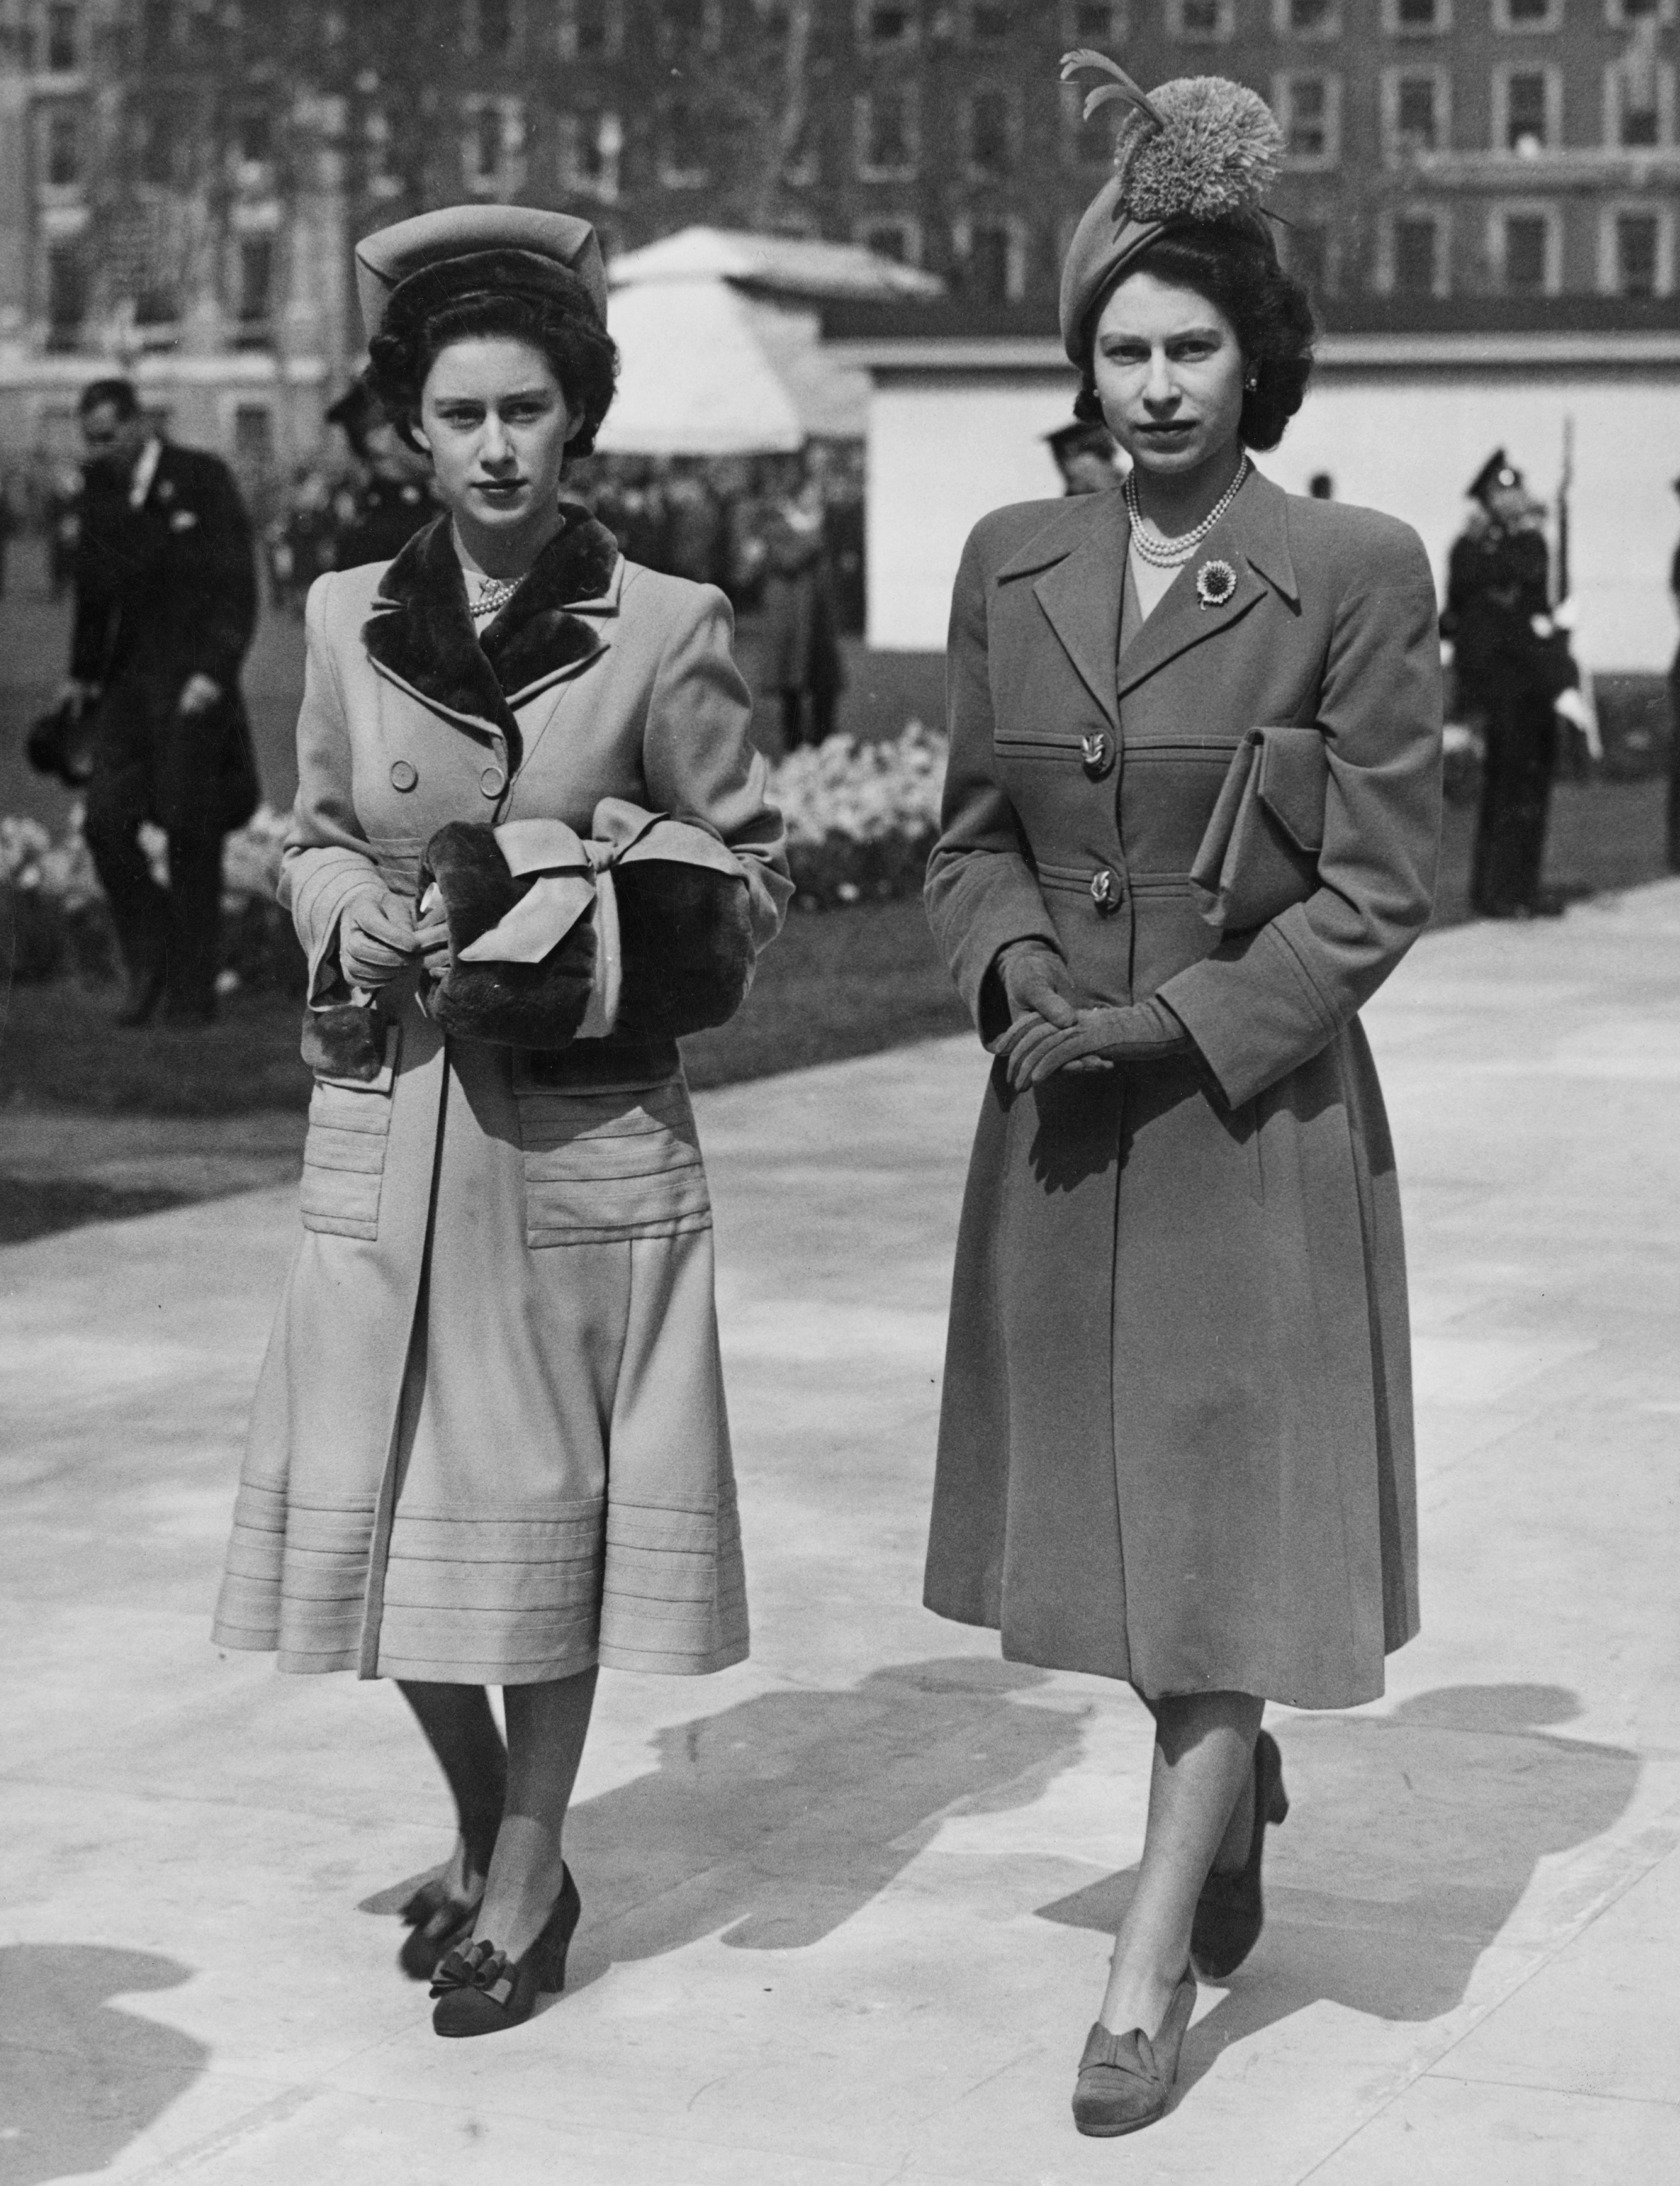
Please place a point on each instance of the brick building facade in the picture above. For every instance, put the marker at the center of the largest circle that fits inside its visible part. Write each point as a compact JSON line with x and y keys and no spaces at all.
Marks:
{"x":187,"y":175}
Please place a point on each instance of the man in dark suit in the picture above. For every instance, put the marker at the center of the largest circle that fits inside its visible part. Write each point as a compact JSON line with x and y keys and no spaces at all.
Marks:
{"x":1513,"y":666}
{"x":165,"y":606}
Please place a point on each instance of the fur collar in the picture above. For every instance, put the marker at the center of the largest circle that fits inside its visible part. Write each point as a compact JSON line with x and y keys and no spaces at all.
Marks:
{"x":421,"y":633}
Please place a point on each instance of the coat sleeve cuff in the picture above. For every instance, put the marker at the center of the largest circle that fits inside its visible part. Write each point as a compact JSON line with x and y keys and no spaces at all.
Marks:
{"x":1253,"y":1013}
{"x":322,"y":885}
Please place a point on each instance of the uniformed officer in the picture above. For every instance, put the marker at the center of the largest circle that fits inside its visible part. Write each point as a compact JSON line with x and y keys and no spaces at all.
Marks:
{"x":1513,"y":666}
{"x":1084,"y":454}
{"x":393,"y":499}
{"x":1674,"y":725}
{"x":166,"y":607}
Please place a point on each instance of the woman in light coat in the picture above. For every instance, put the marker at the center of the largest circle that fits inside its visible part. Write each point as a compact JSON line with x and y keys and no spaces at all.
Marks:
{"x":488,"y":1444}
{"x":1176,"y":1446}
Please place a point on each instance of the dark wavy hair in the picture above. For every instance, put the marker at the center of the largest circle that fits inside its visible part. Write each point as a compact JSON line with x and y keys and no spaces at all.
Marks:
{"x":1236,"y":267}
{"x":424,"y":316}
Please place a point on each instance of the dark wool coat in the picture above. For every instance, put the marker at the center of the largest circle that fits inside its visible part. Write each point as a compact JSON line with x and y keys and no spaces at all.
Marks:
{"x":163,"y":592}
{"x":1176,"y":1444}
{"x":488,"y":1443}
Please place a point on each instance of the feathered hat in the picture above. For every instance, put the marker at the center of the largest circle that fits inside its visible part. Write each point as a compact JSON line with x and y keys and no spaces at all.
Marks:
{"x":1198,"y":148}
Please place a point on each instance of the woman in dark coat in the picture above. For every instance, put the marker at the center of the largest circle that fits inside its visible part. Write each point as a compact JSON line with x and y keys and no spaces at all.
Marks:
{"x":1176,"y":1445}
{"x":530,"y":848}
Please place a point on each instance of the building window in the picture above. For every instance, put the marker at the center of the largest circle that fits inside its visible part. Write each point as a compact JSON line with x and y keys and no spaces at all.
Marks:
{"x":1309,"y":109}
{"x":492,"y":28}
{"x":66,"y":295}
{"x":1414,"y":110}
{"x":683,"y":164}
{"x":990,"y":21}
{"x":591,"y":152}
{"x":1526,"y":106}
{"x":1306,"y":19}
{"x":886,"y":22}
{"x":1636,"y":251}
{"x":64,"y":148}
{"x":899,"y":240}
{"x":1417,"y":253}
{"x":378,"y":154}
{"x":255,"y":299}
{"x":1307,"y":249}
{"x":992,"y":261}
{"x":691,"y":23}
{"x":157,"y":27}
{"x":495,"y":142}
{"x":1527,"y":14}
{"x":1526,"y":249}
{"x":1638,"y":99}
{"x":63,"y":40}
{"x":1095,"y":22}
{"x":991,"y":134}
{"x":1628,"y":15}
{"x":591,"y":30}
{"x":886,"y":134}
{"x":1201,"y":22}
{"x":1417,"y":18}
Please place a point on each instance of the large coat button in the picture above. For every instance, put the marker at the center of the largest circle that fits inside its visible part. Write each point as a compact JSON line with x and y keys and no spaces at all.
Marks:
{"x":493,"y":780}
{"x":403,"y":776}
{"x":1096,"y":756}
{"x":1106,"y":889}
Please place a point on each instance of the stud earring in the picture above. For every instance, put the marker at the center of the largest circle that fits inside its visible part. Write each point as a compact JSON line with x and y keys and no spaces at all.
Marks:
{"x":1251,"y":383}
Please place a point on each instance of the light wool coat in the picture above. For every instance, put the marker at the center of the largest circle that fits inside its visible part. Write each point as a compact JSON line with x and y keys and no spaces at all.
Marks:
{"x":488,"y":1443}
{"x":1176,"y":1444}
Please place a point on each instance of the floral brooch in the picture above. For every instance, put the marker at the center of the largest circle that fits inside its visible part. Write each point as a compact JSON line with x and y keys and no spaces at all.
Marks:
{"x":1215,"y":582}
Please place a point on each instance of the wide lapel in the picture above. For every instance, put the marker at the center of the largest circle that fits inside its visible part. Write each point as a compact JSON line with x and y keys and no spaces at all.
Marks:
{"x":1081,"y":597}
{"x":1251,"y":539}
{"x":420,"y":636}
{"x":572,"y":642}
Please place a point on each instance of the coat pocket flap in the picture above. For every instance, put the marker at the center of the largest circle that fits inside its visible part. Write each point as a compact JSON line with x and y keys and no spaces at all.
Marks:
{"x":1294,"y":774}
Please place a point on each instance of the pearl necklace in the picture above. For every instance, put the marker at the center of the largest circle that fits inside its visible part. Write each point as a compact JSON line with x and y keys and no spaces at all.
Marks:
{"x":494,"y":594}
{"x":1168,"y":553}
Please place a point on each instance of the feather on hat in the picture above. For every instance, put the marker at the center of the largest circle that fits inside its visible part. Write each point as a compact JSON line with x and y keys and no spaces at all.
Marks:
{"x":1198,"y":148}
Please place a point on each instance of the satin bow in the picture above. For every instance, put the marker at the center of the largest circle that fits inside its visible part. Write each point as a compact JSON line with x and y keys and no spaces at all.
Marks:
{"x":575,"y":873}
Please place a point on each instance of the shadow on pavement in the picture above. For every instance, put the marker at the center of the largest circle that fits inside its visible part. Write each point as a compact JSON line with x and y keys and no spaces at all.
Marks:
{"x":82,"y":2076}
{"x":803,"y":1806}
{"x":1421,"y":1832}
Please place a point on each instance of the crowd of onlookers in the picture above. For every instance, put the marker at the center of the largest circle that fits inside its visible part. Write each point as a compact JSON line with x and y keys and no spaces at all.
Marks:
{"x":783,"y":535}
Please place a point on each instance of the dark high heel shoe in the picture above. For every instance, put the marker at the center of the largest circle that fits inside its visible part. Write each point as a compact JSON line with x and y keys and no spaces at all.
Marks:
{"x":438,"y":1922}
{"x":479,"y":1991}
{"x":1126,"y":2079}
{"x":1230,"y":1913}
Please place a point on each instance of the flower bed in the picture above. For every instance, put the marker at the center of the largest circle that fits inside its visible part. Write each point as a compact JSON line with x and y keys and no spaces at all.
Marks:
{"x":861,"y":819}
{"x":60,"y":925}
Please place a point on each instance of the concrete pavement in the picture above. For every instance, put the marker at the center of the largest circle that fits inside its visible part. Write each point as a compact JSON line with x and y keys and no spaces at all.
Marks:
{"x":845,"y":1907}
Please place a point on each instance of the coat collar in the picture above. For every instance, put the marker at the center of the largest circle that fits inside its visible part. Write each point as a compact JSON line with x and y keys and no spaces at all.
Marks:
{"x":1081,"y":555}
{"x":421,"y":635}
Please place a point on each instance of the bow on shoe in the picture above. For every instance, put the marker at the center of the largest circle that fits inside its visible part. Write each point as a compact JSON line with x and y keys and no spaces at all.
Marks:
{"x":481,"y":1966}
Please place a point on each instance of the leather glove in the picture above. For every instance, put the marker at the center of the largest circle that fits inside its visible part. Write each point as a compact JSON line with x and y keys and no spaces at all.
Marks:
{"x":378,"y":934}
{"x":1038,"y":988}
{"x":1140,"y":1032}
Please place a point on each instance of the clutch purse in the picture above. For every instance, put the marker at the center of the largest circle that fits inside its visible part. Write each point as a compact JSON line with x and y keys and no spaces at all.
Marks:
{"x":1260,"y":852}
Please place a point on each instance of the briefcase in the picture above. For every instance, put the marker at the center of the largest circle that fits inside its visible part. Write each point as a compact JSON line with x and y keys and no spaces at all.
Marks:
{"x":1260,"y":852}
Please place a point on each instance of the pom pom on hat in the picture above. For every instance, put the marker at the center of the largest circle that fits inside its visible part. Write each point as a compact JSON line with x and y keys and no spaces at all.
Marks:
{"x":1196,"y":149}
{"x":1216,"y":154}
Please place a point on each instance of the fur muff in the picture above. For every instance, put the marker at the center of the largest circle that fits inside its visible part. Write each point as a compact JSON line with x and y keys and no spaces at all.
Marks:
{"x":345,"y":1039}
{"x":510,"y":1004}
{"x":686,"y":940}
